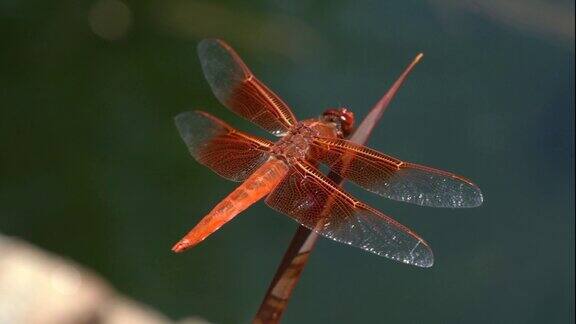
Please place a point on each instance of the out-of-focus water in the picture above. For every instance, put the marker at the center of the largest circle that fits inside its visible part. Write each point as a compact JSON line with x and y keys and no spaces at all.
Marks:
{"x":92,"y":167}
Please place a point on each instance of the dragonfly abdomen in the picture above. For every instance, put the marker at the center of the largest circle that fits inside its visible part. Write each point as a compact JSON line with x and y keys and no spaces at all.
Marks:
{"x":258,"y":185}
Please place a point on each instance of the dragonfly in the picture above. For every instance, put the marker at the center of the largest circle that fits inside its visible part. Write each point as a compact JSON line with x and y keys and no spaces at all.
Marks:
{"x":286,"y":173}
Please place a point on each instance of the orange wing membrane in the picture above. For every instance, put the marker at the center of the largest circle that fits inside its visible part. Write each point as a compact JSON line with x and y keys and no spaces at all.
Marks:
{"x":395,"y":179}
{"x":238,"y":89}
{"x":316,"y":202}
{"x":232,"y":154}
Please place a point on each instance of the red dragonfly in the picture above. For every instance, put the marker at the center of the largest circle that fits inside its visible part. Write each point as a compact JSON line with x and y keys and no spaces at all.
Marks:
{"x":285,"y":171}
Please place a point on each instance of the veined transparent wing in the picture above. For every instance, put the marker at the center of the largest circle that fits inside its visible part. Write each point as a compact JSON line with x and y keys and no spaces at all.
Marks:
{"x":229,"y":152}
{"x":396,"y":179}
{"x":316,"y":202}
{"x":237,"y":88}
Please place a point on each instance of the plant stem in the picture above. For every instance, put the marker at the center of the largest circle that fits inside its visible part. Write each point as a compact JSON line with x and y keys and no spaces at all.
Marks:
{"x":304,"y":240}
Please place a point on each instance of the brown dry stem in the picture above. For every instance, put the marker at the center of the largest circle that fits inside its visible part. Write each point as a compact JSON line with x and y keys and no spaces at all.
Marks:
{"x":304,"y":240}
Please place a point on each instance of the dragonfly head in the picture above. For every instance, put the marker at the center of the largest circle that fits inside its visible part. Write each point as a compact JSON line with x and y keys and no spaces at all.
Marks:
{"x":342,"y":117}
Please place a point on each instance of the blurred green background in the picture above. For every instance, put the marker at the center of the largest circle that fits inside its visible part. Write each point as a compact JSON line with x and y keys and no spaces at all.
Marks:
{"x":92,"y":167}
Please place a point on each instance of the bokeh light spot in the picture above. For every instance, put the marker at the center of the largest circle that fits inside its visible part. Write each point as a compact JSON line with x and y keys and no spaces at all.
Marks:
{"x":110,"y":19}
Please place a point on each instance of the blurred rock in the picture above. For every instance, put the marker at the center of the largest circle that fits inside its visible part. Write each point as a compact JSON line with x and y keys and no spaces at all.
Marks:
{"x":39,"y":287}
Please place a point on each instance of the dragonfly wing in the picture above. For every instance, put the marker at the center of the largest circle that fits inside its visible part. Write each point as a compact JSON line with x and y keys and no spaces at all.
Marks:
{"x":396,"y":179}
{"x":317,"y":203}
{"x":232,"y":154}
{"x":238,"y":89}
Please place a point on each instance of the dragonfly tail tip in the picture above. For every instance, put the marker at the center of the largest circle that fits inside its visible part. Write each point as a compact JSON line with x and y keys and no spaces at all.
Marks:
{"x":181,"y":246}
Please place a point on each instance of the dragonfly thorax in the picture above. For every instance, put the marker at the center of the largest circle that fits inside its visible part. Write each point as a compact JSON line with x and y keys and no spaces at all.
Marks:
{"x":295,"y":144}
